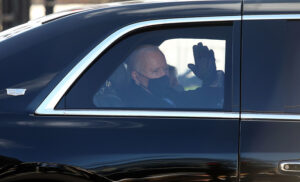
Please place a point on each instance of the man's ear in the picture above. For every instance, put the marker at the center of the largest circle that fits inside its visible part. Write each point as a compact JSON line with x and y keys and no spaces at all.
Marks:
{"x":134,"y":76}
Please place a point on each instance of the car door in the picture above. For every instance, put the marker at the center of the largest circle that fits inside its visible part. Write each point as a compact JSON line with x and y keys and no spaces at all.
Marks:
{"x":270,"y":98}
{"x":194,"y":141}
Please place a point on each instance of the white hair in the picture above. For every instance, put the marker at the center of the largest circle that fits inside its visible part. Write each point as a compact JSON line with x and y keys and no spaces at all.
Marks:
{"x":137,"y":57}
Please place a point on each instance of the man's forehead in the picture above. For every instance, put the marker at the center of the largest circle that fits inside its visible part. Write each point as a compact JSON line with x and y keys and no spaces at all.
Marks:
{"x":156,"y":58}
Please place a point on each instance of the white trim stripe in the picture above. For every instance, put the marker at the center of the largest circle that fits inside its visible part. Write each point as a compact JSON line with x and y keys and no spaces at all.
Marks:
{"x":151,"y":113}
{"x":265,"y":116}
{"x":272,"y":17}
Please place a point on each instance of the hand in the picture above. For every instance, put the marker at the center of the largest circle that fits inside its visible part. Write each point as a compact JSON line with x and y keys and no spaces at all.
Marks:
{"x":205,"y":64}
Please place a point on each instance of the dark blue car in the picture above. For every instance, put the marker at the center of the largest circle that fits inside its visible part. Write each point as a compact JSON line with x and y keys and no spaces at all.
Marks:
{"x":163,"y":91}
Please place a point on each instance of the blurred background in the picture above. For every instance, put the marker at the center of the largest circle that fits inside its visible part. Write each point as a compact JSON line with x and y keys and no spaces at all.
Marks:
{"x":15,"y":12}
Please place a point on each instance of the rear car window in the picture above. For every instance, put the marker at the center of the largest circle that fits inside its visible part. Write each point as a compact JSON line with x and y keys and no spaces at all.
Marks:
{"x":270,"y":71}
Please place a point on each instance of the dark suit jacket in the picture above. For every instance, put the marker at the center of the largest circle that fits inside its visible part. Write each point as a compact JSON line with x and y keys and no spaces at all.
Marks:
{"x":202,"y":98}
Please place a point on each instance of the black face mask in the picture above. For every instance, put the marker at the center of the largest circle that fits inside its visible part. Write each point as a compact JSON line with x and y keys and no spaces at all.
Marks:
{"x":160,"y":86}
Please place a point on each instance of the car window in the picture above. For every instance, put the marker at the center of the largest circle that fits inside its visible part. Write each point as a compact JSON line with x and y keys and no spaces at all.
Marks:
{"x":162,"y":68}
{"x":271,"y":66}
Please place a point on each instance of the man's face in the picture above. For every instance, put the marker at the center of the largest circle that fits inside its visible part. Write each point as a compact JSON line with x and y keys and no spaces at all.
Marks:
{"x":153,"y":65}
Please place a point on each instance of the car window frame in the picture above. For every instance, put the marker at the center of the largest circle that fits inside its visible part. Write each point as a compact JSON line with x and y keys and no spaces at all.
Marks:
{"x":47,"y":107}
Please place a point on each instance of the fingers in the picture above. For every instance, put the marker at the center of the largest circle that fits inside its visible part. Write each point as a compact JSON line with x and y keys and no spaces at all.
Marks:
{"x":196,"y":53}
{"x":203,"y":56}
{"x":201,"y":50}
{"x":207,"y":54}
{"x":205,"y":65}
{"x":199,"y":53}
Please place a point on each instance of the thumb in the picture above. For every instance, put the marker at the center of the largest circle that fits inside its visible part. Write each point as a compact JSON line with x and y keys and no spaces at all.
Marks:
{"x":192,"y":67}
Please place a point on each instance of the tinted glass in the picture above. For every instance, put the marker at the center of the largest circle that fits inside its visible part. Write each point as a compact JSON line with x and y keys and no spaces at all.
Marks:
{"x":37,"y":59}
{"x":270,"y":71}
{"x":162,"y":68}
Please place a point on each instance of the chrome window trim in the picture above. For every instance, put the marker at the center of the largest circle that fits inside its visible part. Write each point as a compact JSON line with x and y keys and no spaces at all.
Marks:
{"x":272,"y":17}
{"x":153,"y":113}
{"x":266,"y":116}
{"x":48,"y":105}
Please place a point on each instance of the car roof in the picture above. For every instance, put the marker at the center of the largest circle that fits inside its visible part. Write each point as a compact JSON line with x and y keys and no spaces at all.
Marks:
{"x":250,"y":7}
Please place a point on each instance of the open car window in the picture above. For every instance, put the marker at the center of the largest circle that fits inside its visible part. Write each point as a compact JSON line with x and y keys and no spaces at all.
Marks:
{"x":175,"y":68}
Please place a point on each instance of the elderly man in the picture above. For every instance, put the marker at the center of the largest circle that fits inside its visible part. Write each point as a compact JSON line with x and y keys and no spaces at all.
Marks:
{"x":150,"y":86}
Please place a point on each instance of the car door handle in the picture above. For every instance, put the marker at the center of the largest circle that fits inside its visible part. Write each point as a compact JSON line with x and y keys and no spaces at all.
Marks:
{"x":290,"y":166}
